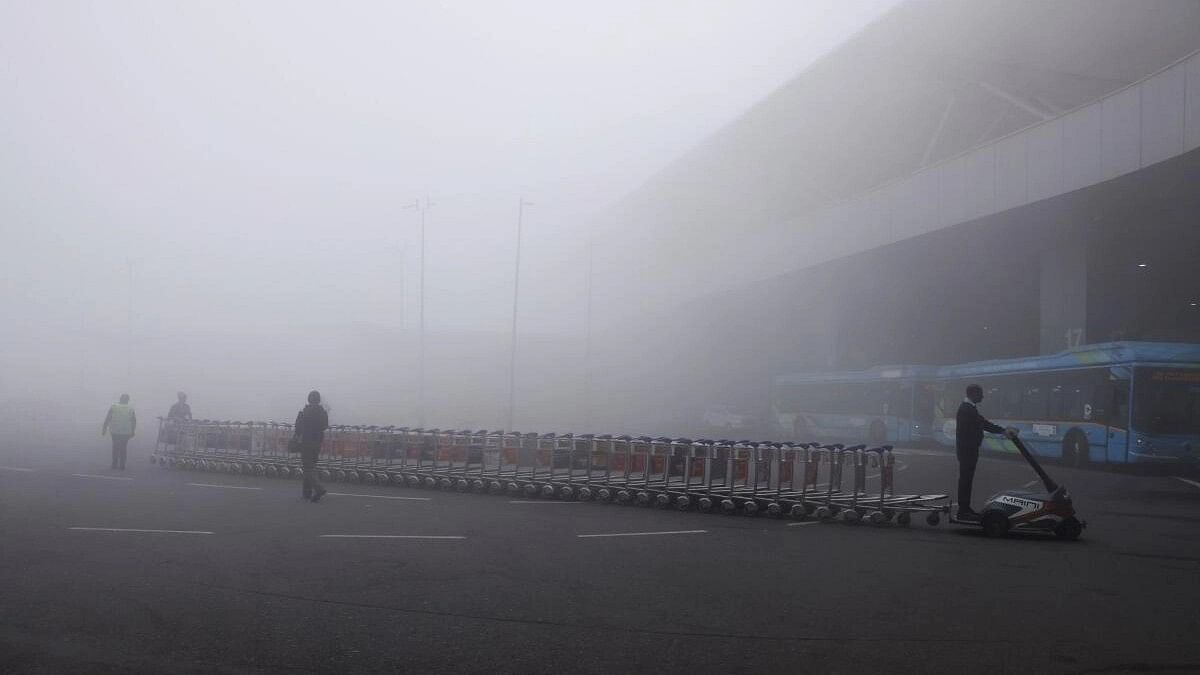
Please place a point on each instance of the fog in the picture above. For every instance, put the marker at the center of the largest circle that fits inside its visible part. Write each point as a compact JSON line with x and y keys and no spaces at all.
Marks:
{"x":217,"y":197}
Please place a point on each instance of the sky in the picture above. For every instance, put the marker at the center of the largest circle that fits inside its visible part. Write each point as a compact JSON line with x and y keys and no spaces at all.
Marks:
{"x":257,"y":158}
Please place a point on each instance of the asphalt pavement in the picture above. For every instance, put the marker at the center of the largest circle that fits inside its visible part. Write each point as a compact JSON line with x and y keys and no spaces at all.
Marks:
{"x":153,"y":570}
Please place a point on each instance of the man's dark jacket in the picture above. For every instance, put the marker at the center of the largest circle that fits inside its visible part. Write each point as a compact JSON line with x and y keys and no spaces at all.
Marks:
{"x":969,"y":433}
{"x":311,"y":424}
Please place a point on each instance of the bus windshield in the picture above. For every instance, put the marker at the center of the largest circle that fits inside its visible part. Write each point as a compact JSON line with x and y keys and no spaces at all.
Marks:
{"x":1167,"y":401}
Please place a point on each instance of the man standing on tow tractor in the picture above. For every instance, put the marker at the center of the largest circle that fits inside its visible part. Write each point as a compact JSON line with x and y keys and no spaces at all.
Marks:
{"x":968,"y":436}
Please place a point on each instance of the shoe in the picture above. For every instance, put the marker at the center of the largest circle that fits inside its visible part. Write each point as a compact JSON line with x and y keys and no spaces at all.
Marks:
{"x":317,"y":497}
{"x":967,"y":513}
{"x":306,"y":498}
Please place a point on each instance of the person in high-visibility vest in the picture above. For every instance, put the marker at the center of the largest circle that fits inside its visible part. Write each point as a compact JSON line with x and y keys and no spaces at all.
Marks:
{"x":121,"y":424}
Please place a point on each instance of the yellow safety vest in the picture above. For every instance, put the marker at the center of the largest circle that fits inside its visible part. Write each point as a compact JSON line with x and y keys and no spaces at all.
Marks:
{"x":120,"y":421}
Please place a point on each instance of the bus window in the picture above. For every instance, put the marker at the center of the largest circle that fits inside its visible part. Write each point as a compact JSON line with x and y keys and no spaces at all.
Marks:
{"x":1033,"y":402}
{"x":1167,"y":401}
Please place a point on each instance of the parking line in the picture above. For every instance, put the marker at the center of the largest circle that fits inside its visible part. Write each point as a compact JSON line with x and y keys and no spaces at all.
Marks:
{"x":640,"y":534}
{"x":809,"y":522}
{"x":124,"y":529}
{"x":15,"y":468}
{"x":541,"y":501}
{"x":1032,"y":483}
{"x":388,"y":536}
{"x":92,"y":475}
{"x":1189,"y":482}
{"x":411,"y":499}
{"x":227,"y":487}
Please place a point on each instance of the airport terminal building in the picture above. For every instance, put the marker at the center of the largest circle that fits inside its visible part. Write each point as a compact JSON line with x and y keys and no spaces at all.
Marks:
{"x":958,"y":182}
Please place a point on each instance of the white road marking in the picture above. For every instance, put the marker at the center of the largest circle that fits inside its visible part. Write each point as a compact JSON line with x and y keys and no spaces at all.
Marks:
{"x":541,"y":501}
{"x":92,"y":475}
{"x":1189,"y":482}
{"x":15,"y":468}
{"x":389,"y":536}
{"x":1031,"y":483}
{"x":640,"y":534}
{"x":411,"y":499}
{"x":227,"y":487}
{"x":810,"y":522}
{"x":124,"y":529}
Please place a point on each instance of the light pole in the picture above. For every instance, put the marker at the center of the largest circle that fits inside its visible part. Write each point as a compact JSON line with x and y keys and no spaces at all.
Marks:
{"x":587,"y":351}
{"x":421,"y":207}
{"x":512,"y":358}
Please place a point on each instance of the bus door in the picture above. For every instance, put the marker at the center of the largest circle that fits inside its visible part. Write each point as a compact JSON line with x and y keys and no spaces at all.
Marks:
{"x":1114,"y":396}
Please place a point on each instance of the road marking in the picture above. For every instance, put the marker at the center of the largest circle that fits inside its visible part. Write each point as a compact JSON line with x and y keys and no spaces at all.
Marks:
{"x":1031,"y":483}
{"x":124,"y":529}
{"x":92,"y":475}
{"x":389,"y":536}
{"x":227,"y":487}
{"x":541,"y":501}
{"x":811,"y":522}
{"x":1189,"y":482}
{"x":640,"y":534}
{"x":15,"y":468}
{"x":412,"y":499}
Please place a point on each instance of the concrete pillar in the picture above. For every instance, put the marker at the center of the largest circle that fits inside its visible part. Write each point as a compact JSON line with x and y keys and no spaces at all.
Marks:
{"x":1063,"y":289}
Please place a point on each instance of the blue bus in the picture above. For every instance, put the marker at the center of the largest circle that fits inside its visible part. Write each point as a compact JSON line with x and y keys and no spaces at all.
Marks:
{"x":891,"y":404}
{"x":1111,"y":403}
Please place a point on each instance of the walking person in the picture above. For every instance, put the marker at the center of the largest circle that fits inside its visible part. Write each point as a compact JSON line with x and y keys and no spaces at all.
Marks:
{"x":968,"y":436}
{"x":121,"y":424}
{"x":310,"y":428}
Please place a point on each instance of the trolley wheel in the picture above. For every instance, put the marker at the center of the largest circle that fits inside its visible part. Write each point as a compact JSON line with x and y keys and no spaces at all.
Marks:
{"x":530,"y":490}
{"x":382,"y":478}
{"x":683,"y":502}
{"x":514,"y":489}
{"x":704,"y":505}
{"x":774,"y":509}
{"x":903,"y":518}
{"x":445,"y":483}
{"x":260,"y":470}
{"x":496,"y":487}
{"x":643,"y":498}
{"x":824,"y":513}
{"x":585,"y":494}
{"x":728,"y":506}
{"x":414,"y":481}
{"x":367,"y":477}
{"x":933,"y":519}
{"x":876,"y":517}
{"x":272,"y":472}
{"x":247,"y":468}
{"x":566,"y":493}
{"x":623,"y":496}
{"x":604,"y":495}
{"x":430,"y":482}
{"x":352,"y":476}
{"x":298,"y":473}
{"x":852,"y":516}
{"x":750,"y":508}
{"x":478,"y":486}
{"x":798,"y":512}
{"x":462,"y":485}
{"x":1069,"y":529}
{"x":662,"y":501}
{"x":325,"y":475}
{"x":995,"y":524}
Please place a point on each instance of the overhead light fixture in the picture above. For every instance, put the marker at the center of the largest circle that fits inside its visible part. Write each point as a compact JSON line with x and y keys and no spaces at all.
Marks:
{"x":1141,"y":264}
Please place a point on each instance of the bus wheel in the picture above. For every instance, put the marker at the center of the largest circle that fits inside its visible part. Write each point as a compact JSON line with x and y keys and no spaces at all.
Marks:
{"x":878,"y":433}
{"x":1075,"y":449}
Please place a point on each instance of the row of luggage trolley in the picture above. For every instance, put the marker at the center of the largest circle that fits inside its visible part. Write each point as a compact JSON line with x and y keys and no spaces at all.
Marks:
{"x":798,"y":480}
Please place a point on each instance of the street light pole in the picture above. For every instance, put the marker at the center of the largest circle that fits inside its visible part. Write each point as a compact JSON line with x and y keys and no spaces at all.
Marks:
{"x":512,"y":358}
{"x":421,"y":207}
{"x":587,"y":352}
